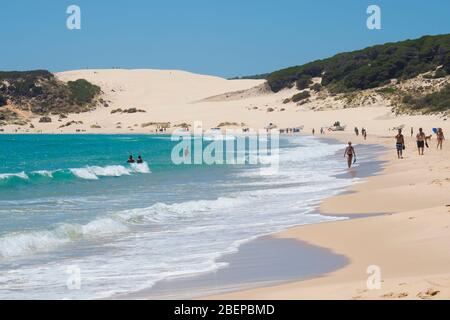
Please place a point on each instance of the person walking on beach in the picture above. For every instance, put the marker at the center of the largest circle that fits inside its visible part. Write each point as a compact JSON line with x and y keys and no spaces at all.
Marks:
{"x":356,"y":131}
{"x":400,"y":144}
{"x":350,"y":154}
{"x":420,"y":138}
{"x":313,"y":131}
{"x":412,"y":131}
{"x":364,"y":133}
{"x":440,"y":138}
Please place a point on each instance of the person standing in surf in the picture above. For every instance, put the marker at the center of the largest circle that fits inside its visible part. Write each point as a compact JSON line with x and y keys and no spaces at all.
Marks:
{"x":130,"y":159}
{"x":350,"y":154}
{"x":400,"y":144}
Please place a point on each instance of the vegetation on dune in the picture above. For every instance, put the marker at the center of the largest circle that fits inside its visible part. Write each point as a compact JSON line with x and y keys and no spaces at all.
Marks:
{"x":82,"y":91}
{"x":40,"y":92}
{"x":371,"y":67}
{"x":303,"y":82}
{"x":300,"y":96}
{"x":316,"y":87}
{"x":3,"y":100}
{"x":387,"y":90}
{"x":434,"y":102}
{"x":254,"y":77}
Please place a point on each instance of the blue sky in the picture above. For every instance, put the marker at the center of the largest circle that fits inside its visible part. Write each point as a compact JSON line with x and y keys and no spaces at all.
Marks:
{"x":225,"y":38}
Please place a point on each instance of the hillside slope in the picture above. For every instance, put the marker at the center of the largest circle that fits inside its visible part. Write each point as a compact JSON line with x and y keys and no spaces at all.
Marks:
{"x":39,"y":92}
{"x":373,"y":66}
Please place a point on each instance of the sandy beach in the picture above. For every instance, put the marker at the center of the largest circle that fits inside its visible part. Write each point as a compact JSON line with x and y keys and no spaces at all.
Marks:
{"x":408,"y":242}
{"x":407,"y":239}
{"x":198,"y":152}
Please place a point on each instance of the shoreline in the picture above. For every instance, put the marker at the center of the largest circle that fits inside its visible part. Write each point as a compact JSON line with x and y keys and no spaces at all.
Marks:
{"x":257,"y":263}
{"x":239,"y":274}
{"x":408,"y":233}
{"x":412,"y":258}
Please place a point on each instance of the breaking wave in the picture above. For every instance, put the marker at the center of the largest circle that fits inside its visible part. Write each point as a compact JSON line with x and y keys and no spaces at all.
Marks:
{"x":85,"y":173}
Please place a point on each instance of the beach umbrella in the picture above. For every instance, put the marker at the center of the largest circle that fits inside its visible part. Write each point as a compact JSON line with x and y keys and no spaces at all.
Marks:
{"x":435,"y":130}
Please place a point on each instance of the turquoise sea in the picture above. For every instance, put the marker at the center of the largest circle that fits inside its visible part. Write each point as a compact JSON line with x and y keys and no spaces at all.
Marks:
{"x":72,"y":211}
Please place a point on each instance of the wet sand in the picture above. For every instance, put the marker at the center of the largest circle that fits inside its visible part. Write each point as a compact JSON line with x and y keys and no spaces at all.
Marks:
{"x":268,"y":260}
{"x":264,"y":261}
{"x":408,"y":244}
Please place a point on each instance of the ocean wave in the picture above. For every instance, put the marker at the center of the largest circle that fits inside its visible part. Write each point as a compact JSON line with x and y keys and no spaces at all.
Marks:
{"x":20,"y":175}
{"x":24,"y":243}
{"x":86,"y":173}
{"x":44,"y":173}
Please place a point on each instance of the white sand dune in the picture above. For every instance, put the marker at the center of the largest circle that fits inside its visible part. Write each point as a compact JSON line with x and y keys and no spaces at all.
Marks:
{"x":165,"y":95}
{"x":182,"y":97}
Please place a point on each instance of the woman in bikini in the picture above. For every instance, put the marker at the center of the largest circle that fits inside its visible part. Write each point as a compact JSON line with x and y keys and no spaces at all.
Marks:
{"x":349,"y":154}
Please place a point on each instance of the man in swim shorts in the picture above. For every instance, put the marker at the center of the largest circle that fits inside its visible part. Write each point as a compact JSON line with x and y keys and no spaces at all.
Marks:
{"x":420,"y":138}
{"x":400,"y":144}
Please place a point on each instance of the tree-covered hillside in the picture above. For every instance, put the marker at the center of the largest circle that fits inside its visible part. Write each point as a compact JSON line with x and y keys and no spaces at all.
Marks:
{"x":41,"y":93}
{"x":371,"y":67}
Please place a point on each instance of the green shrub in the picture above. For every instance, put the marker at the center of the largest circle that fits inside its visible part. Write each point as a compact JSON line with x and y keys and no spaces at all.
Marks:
{"x":29,"y":75}
{"x":300,"y":96}
{"x":407,"y":99}
{"x":82,"y":91}
{"x":316,"y":87}
{"x":441,"y":73}
{"x":303,"y":82}
{"x":434,"y":102}
{"x":3,"y":101}
{"x":388,"y":90}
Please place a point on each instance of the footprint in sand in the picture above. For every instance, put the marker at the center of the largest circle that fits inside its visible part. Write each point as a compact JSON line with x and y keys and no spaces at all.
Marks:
{"x":393,"y":295}
{"x":388,"y":295}
{"x":359,"y":291}
{"x":428,"y":294}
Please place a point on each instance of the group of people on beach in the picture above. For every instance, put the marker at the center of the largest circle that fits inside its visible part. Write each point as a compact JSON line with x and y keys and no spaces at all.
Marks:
{"x":421,"y":141}
{"x":363,"y":132}
{"x":131,"y":159}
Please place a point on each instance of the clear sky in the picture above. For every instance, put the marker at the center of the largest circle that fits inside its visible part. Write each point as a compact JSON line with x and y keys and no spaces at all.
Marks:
{"x":220,"y":37}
